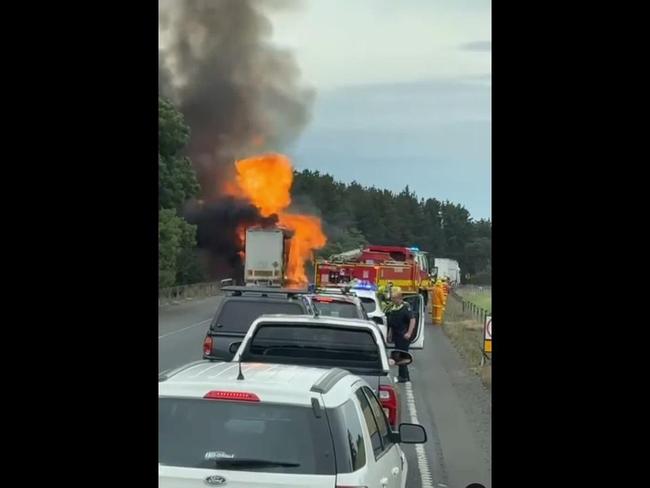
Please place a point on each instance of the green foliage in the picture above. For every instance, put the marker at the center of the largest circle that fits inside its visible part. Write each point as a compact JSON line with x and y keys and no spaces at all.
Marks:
{"x":177,"y":183}
{"x":483,"y":277}
{"x":174,"y":234}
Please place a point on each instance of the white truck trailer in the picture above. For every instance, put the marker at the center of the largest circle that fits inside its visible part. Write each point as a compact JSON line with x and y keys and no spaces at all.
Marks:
{"x":266,"y":253}
{"x":447,"y":268}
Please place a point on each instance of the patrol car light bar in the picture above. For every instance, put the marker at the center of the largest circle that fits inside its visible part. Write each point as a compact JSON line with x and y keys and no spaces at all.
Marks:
{"x":364,"y":285}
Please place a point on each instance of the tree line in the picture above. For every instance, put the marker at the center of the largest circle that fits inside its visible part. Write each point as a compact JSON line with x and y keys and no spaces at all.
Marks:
{"x":177,"y":254}
{"x":353,"y":215}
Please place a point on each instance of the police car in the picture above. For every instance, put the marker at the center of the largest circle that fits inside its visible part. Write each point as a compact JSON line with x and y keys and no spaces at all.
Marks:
{"x":246,"y":425}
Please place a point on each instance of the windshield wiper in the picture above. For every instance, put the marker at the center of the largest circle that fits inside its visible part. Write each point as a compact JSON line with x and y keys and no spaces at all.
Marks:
{"x":255,"y":463}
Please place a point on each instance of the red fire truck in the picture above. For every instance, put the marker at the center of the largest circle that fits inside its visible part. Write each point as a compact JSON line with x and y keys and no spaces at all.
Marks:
{"x":406,"y":267}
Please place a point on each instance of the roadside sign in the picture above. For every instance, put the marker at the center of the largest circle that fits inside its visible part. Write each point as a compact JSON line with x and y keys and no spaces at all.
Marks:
{"x":487,"y":338}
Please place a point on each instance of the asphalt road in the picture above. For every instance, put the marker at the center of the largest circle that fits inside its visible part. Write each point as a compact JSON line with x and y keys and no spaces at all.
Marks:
{"x":445,"y":396}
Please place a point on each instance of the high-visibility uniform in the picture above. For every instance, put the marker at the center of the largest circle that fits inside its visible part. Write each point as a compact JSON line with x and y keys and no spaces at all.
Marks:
{"x":437,"y":303}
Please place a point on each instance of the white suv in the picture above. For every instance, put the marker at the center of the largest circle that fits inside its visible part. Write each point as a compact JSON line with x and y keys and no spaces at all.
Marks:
{"x":367,"y":300}
{"x":371,"y":304}
{"x":244,"y":425}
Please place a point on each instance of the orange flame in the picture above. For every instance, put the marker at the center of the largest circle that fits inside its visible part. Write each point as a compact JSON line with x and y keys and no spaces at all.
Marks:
{"x":266,"y":181}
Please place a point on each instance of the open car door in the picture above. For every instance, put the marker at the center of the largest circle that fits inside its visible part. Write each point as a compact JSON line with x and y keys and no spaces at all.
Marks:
{"x":416,"y":303}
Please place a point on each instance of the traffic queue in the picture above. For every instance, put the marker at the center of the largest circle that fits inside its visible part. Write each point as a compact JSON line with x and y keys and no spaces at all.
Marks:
{"x":296,"y":386}
{"x":295,"y":389}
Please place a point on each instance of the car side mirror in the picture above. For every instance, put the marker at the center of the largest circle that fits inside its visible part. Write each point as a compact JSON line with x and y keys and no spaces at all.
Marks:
{"x":401,"y":358}
{"x":234,"y":347}
{"x":378,"y":320}
{"x":412,"y":434}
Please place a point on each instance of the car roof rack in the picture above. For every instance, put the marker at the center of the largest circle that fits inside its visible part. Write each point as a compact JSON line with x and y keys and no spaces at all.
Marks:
{"x":165,"y":375}
{"x":238,"y":291}
{"x":326,"y":382}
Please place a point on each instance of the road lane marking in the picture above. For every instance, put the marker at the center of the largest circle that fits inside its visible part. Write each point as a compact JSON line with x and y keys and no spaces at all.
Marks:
{"x":423,"y":462}
{"x":184,"y":328}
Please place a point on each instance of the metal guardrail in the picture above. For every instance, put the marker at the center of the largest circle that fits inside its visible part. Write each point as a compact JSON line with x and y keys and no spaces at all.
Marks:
{"x":178,"y":294}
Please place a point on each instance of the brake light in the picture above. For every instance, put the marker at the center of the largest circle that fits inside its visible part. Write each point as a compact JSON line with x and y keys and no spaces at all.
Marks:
{"x":389,"y":401}
{"x":236,"y":396}
{"x":207,"y":346}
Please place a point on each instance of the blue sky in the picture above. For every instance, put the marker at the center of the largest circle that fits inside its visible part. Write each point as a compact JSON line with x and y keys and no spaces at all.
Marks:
{"x":403,"y":93}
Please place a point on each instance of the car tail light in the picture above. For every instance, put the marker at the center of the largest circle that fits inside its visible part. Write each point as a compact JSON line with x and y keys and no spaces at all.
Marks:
{"x":389,"y":400}
{"x":207,"y":346}
{"x":236,"y":396}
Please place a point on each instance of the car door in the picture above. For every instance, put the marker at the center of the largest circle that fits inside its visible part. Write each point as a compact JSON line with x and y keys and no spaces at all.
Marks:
{"x":417,"y":307}
{"x":386,"y":466}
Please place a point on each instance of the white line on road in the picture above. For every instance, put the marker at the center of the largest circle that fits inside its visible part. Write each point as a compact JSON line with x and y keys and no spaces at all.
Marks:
{"x":184,"y":328}
{"x":423,"y":463}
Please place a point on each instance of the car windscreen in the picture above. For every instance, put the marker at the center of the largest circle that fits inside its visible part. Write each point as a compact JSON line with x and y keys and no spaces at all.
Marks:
{"x":368,"y":304}
{"x":238,"y":315}
{"x":333,"y":308}
{"x":315,"y":345}
{"x":265,"y":437}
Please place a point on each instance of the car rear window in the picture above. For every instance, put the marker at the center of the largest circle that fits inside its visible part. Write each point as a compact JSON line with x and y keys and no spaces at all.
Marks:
{"x":238,"y":315}
{"x":333,"y":308}
{"x":209,"y":434}
{"x":308,"y":344}
{"x":368,"y":304}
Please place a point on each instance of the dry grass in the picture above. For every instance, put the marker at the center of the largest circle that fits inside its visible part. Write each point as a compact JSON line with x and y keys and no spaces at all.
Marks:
{"x":466,"y":334}
{"x":481,"y":298}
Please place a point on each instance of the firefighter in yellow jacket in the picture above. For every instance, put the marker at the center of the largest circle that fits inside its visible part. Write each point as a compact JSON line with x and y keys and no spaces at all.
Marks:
{"x":438,"y":303}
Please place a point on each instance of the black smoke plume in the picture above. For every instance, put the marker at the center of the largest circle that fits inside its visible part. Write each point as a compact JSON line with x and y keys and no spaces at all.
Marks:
{"x":239,"y":95}
{"x":217,"y":223}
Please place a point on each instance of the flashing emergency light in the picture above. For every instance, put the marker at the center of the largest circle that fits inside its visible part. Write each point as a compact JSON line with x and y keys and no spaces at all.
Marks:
{"x":364,"y":285}
{"x":414,"y":248}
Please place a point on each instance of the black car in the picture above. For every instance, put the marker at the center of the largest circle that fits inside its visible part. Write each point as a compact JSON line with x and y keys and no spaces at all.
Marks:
{"x":240,"y":307}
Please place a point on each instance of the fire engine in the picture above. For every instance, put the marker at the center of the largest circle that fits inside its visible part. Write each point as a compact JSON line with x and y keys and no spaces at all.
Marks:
{"x":406,"y":267}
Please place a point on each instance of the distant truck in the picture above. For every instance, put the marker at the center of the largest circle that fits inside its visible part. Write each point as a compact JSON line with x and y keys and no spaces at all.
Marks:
{"x":266,"y":256}
{"x":447,"y":268}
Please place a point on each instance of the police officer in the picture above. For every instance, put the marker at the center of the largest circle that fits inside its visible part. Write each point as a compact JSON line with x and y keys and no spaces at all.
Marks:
{"x":401,"y":325}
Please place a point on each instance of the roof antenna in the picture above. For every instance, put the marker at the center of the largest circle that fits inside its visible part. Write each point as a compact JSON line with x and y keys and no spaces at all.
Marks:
{"x":240,"y":376}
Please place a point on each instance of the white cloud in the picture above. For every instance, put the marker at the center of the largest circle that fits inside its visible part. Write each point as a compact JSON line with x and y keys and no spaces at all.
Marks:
{"x":339,"y":42}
